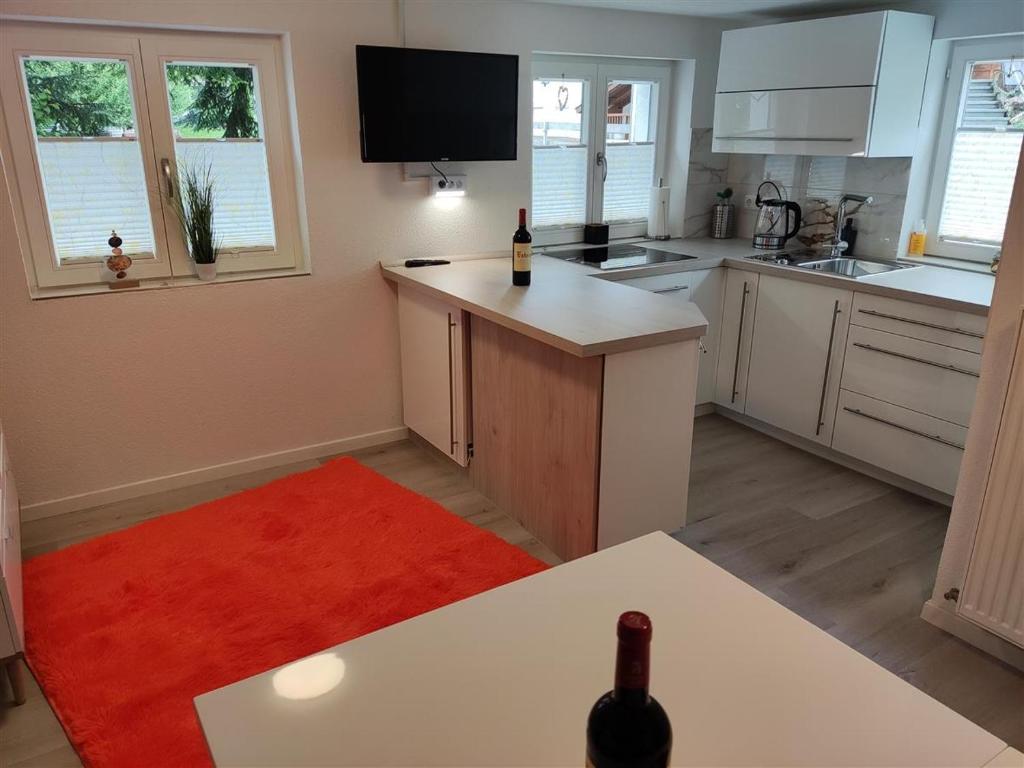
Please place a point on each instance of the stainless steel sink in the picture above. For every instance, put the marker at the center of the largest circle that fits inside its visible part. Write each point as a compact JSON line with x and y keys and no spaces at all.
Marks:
{"x":853,"y":267}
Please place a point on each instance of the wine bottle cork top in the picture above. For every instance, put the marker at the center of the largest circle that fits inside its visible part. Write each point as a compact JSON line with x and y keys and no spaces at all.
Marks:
{"x":635,"y":627}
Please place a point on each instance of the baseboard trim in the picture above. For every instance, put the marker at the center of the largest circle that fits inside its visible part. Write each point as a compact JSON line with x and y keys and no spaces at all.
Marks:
{"x":836,"y":457}
{"x":703,"y":409}
{"x":969,"y":632}
{"x":79,"y":501}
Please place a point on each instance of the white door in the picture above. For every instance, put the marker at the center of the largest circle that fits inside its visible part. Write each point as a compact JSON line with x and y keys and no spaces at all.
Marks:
{"x":735,"y":335}
{"x":797,"y":355}
{"x":433,"y":372}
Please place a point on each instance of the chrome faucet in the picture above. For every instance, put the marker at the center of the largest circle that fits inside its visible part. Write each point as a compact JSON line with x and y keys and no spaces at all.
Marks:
{"x":838,"y":245}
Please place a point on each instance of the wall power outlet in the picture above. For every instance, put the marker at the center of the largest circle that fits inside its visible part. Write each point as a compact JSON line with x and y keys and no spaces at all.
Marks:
{"x":453,"y":185}
{"x":748,"y":202}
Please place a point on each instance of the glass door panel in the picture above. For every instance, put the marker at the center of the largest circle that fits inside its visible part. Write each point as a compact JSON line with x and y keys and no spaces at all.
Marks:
{"x":631,"y":118}
{"x":85,"y":130}
{"x":216,"y":121}
{"x":560,"y":152}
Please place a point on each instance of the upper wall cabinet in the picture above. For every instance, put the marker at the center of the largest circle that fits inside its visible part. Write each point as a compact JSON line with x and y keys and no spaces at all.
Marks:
{"x":849,"y":85}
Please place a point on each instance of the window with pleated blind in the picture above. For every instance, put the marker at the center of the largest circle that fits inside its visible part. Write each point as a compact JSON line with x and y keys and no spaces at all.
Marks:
{"x":103,"y":124}
{"x":979,"y":149}
{"x":598,"y":141}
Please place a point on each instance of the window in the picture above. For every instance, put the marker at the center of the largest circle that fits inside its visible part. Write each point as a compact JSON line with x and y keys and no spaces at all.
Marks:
{"x":979,"y":145}
{"x":599,"y":129}
{"x":100,"y":125}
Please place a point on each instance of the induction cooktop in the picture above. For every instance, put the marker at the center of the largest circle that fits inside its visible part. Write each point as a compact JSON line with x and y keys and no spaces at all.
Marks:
{"x":618,"y":256}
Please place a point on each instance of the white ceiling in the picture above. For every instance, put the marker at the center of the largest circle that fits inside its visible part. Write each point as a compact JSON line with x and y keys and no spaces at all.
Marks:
{"x":720,"y":8}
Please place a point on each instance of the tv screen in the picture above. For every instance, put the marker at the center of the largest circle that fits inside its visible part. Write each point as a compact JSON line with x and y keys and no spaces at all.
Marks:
{"x":424,"y":106}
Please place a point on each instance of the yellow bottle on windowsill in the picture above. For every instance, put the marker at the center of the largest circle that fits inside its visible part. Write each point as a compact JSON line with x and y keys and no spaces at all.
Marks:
{"x":917,"y":237}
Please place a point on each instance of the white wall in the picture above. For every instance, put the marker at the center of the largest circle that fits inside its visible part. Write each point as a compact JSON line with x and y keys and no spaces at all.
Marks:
{"x":99,"y":391}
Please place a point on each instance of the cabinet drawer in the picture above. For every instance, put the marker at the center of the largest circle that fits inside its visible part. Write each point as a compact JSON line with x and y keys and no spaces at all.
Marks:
{"x":920,"y":321}
{"x":676,"y":285}
{"x":919,"y":447}
{"x":929,"y":378}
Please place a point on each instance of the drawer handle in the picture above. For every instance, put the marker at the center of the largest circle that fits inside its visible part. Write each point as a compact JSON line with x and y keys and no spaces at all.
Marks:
{"x":938,"y":327}
{"x":880,"y":420}
{"x":943,"y":366}
{"x":673,"y":289}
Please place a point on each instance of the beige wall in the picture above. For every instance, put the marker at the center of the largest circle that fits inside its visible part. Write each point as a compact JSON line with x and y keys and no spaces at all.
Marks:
{"x":100,"y":391}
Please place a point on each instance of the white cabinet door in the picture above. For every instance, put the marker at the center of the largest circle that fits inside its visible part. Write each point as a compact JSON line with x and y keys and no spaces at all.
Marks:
{"x":834,"y":52}
{"x":797,"y":355}
{"x":434,"y":377}
{"x":810,"y":121}
{"x":704,"y":287}
{"x":12,"y":626}
{"x":707,"y":289}
{"x":736,"y":333}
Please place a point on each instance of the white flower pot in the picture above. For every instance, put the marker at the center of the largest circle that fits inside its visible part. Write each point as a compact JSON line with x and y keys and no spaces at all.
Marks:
{"x":206,"y":271}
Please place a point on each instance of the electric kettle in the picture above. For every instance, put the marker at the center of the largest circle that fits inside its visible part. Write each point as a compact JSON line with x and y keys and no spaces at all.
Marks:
{"x":773,"y":227}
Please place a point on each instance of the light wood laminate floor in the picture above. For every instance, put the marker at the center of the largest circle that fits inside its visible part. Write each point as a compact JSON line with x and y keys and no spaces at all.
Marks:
{"x":851,"y":554}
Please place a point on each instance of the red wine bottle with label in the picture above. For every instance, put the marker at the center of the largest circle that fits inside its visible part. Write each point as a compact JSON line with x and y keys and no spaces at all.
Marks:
{"x":521,"y":252}
{"x":626,"y":727}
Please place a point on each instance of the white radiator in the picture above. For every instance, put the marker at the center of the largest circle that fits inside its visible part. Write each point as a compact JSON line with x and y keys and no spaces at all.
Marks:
{"x":993,"y":594}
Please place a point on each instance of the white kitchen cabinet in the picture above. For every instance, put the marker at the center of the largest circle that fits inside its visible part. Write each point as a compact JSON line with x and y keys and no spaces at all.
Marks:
{"x":12,"y":626}
{"x":930,"y":378}
{"x":737,"y":326}
{"x":707,"y":291}
{"x":435,"y":391}
{"x":797,"y":355}
{"x":847,"y":85}
{"x":704,"y":287}
{"x":899,"y":440}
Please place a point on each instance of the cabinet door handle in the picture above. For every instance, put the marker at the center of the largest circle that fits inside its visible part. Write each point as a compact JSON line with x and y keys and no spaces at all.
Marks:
{"x":784,"y":138}
{"x":828,"y":365}
{"x":911,"y":430}
{"x":702,"y":347}
{"x":936,"y":326}
{"x":943,"y":366}
{"x":451,"y":387}
{"x":739,"y":342}
{"x":673,"y":289}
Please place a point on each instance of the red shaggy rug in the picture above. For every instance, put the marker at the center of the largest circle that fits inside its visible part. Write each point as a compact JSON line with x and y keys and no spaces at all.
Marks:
{"x":124,"y":630}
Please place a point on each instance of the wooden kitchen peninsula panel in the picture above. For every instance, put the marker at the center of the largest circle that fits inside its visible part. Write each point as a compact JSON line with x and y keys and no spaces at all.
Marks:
{"x":536,"y":435}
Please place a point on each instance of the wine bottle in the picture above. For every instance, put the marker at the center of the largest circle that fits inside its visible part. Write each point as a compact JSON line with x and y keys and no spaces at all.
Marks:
{"x":627,"y":728}
{"x":521,"y":252}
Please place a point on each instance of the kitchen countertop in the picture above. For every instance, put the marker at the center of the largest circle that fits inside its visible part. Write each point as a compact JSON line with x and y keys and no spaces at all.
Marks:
{"x":955,"y":289}
{"x":568,"y":308}
{"x":564,"y":307}
{"x":507,"y":678}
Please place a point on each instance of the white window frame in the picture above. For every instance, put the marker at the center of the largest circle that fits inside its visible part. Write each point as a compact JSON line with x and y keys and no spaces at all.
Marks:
{"x":596,"y":74}
{"x":145,"y":52}
{"x":964,"y":53}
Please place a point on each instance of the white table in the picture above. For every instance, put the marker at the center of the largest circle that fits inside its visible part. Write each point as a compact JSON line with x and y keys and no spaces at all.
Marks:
{"x":508,"y":677}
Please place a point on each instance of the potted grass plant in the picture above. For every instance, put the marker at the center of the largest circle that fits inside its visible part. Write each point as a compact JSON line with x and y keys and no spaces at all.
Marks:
{"x":194,"y":208}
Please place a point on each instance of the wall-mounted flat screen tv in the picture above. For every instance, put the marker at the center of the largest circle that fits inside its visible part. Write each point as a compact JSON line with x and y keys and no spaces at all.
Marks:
{"x":420,"y":105}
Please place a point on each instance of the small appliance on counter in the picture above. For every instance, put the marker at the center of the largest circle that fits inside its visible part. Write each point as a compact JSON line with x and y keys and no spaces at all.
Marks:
{"x":773,"y":229}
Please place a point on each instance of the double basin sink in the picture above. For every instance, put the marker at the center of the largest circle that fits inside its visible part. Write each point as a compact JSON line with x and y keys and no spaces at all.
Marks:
{"x":841,"y":266}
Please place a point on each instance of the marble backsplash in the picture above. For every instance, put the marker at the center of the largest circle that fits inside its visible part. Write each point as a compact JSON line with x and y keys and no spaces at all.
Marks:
{"x":814,"y":183}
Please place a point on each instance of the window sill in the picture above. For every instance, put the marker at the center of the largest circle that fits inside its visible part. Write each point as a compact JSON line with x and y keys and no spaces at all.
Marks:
{"x":963,"y":265}
{"x":163,"y":283}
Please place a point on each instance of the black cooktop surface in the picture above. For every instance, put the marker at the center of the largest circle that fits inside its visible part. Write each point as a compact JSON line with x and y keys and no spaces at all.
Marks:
{"x":618,"y":256}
